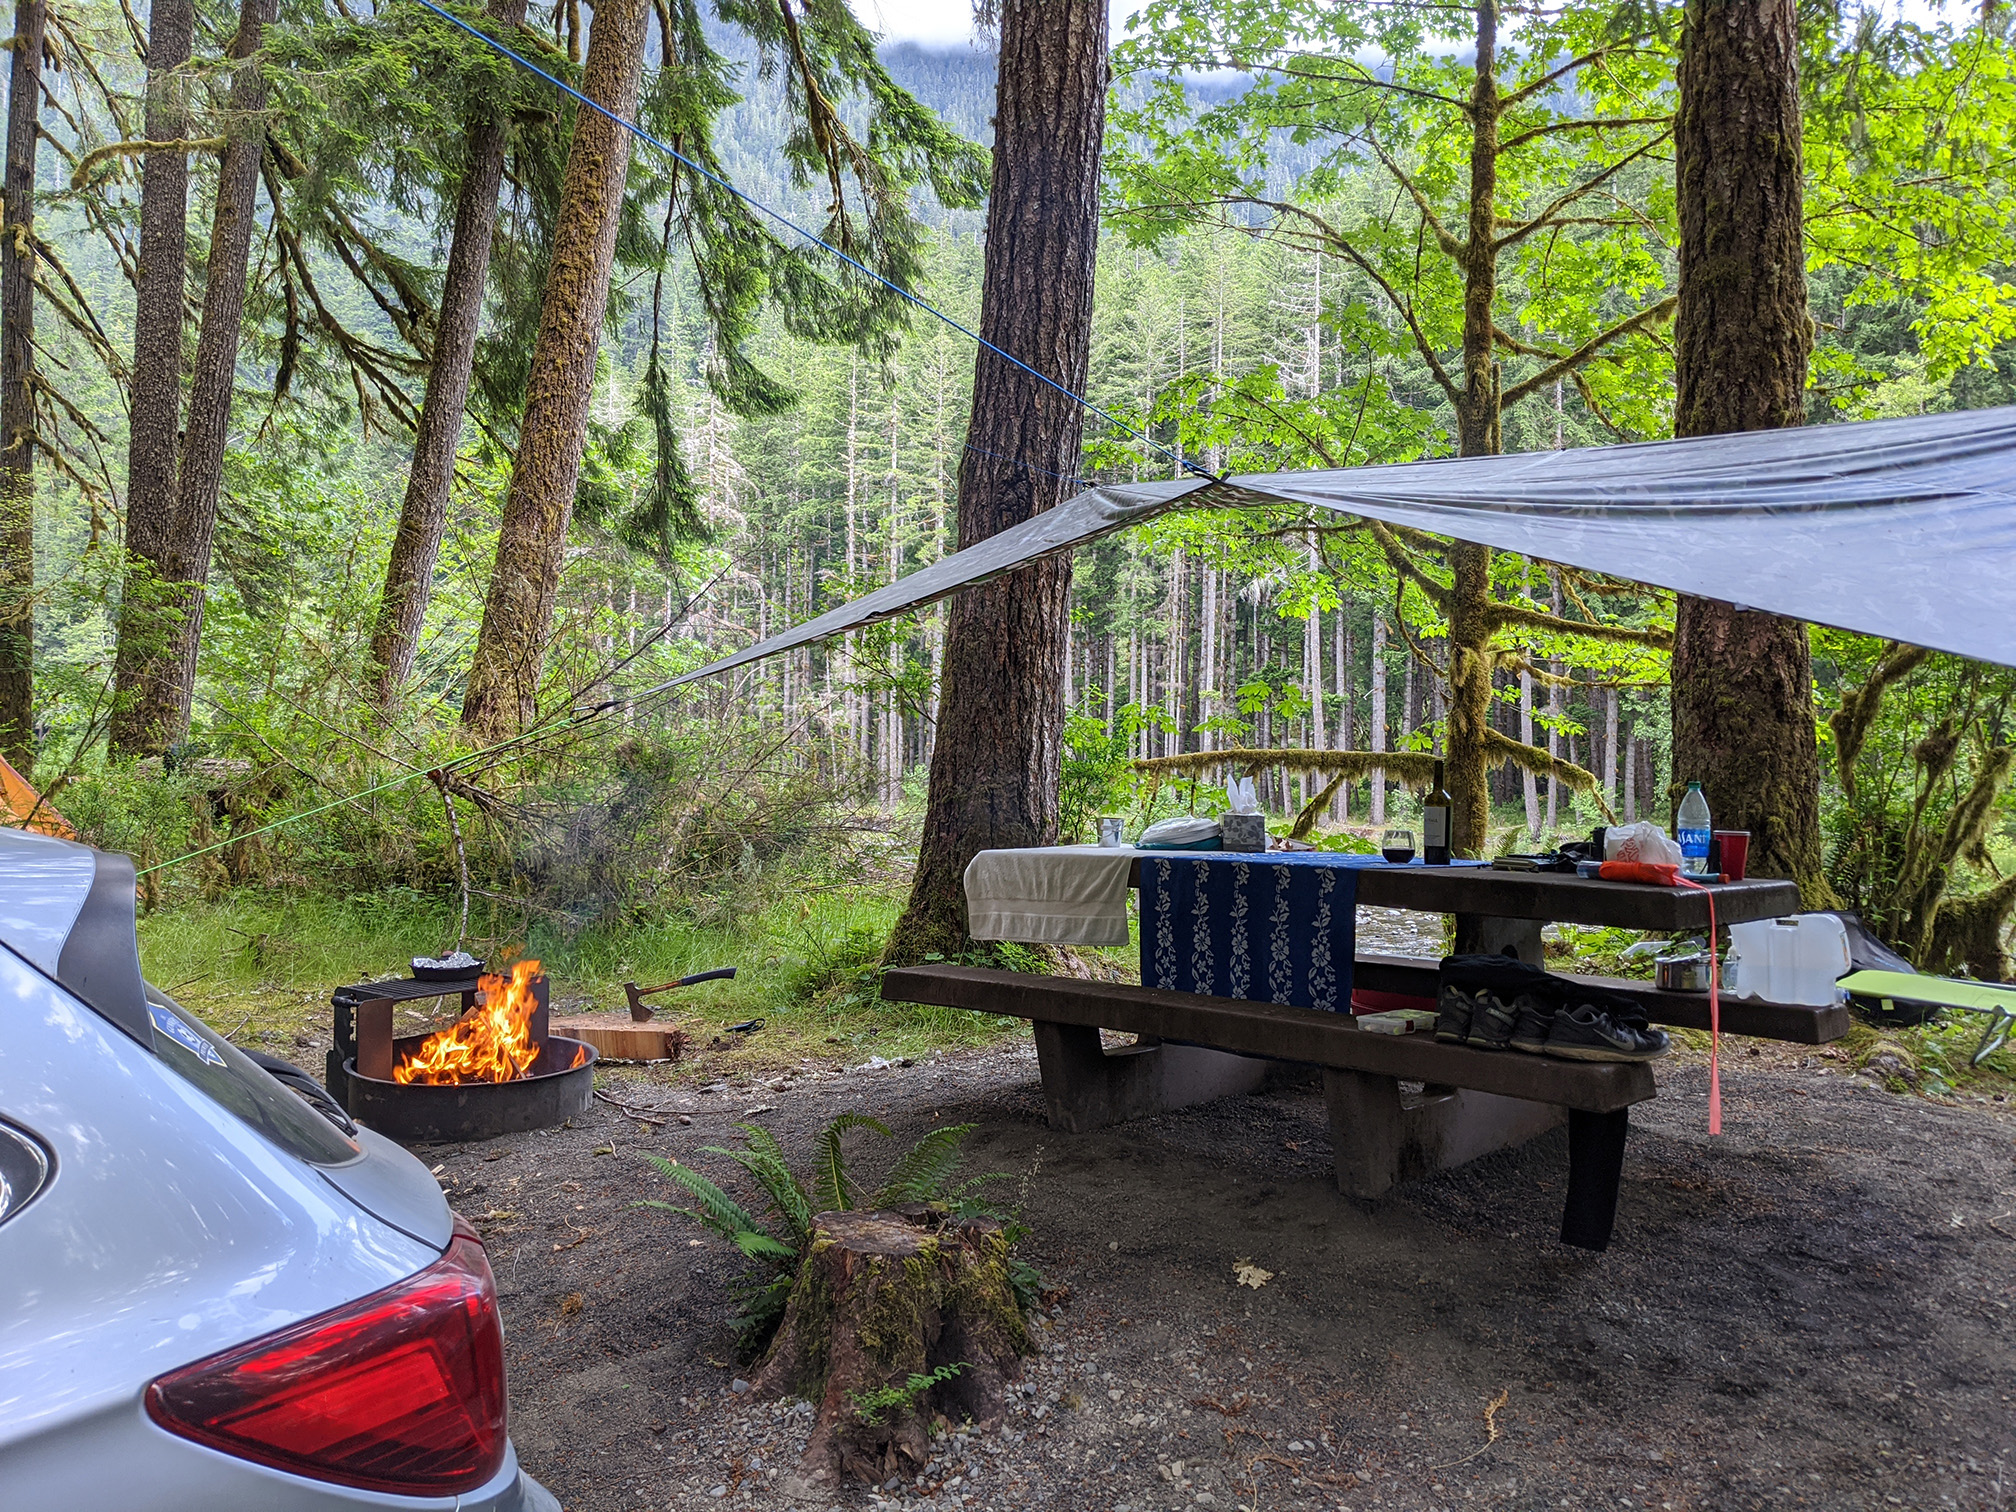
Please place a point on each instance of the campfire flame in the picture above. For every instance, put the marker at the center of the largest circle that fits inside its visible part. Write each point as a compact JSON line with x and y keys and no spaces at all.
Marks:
{"x":492,"y":1042}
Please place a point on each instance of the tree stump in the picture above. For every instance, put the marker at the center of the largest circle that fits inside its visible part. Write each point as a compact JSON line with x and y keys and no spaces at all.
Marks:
{"x":882,"y":1300}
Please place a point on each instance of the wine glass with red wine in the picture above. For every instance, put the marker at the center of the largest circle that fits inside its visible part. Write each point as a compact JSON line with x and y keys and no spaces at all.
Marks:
{"x":1397,"y":846}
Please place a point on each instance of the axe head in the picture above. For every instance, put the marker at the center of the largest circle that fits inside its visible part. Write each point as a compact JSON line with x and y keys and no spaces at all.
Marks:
{"x":640,"y":1011}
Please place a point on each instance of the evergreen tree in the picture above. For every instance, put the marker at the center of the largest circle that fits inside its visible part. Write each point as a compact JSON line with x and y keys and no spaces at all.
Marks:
{"x":17,"y":388}
{"x":825,"y":58}
{"x":995,"y":767}
{"x":1743,"y":722}
{"x":423,"y":514}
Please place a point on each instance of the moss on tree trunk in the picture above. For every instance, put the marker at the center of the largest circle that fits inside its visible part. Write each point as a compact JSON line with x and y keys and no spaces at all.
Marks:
{"x":1471,"y":627}
{"x":532,"y":542}
{"x":1478,"y":434}
{"x":17,"y":392}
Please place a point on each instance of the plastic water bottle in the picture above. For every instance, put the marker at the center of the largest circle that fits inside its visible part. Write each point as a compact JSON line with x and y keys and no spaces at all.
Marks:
{"x":1695,"y":830}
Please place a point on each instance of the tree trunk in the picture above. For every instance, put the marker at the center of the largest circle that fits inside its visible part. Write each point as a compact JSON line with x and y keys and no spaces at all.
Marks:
{"x":517,"y":614}
{"x":883,"y":1302}
{"x":995,"y":769}
{"x":1312,"y":656}
{"x":409,"y":574}
{"x":1743,"y":722}
{"x":1472,"y":622}
{"x":141,"y":722}
{"x":1377,"y":806}
{"x":17,"y":392}
{"x":1610,"y":745}
{"x":1346,"y":726}
{"x":1529,"y":785}
{"x":185,"y":561}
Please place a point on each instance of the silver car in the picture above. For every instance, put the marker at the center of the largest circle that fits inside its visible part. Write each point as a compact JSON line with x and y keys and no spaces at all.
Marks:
{"x":215,"y":1291}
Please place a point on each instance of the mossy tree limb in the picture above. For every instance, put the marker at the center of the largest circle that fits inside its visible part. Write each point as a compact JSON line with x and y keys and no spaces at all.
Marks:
{"x":97,"y":157}
{"x":1970,"y":932}
{"x":1860,"y":706}
{"x":1415,"y":768}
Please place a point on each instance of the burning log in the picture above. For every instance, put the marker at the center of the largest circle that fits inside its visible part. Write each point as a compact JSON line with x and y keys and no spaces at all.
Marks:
{"x":895,"y":1318}
{"x":498,"y":1040}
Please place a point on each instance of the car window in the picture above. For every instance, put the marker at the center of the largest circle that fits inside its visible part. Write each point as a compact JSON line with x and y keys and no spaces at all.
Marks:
{"x":205,"y":1057}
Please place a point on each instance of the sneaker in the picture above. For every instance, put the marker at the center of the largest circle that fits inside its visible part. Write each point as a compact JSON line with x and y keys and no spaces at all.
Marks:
{"x":1453,"y":1010}
{"x":1536,"y":1019}
{"x":1477,"y":999}
{"x":1494,"y":1017}
{"x":1587,"y":1030}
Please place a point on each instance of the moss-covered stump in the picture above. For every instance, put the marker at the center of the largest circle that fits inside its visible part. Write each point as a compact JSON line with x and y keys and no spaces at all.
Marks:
{"x":896,"y":1318}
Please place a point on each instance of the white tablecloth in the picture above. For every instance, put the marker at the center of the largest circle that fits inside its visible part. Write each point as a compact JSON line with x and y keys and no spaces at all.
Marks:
{"x":1049,"y":895}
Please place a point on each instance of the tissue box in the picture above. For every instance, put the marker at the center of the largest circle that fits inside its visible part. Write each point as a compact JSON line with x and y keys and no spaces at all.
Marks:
{"x":1243,"y":832}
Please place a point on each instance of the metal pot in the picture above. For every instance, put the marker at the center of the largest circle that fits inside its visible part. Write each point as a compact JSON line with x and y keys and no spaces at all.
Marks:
{"x":1683,"y":973}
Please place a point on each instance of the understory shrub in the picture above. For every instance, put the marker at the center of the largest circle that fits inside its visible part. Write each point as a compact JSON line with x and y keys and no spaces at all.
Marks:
{"x":691,"y":816}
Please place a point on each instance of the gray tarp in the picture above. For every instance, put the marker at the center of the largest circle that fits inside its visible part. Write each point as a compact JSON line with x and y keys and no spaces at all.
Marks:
{"x":1898,"y":528}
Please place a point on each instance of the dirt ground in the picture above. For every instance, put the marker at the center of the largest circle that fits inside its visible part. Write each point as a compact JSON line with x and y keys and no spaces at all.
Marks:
{"x":1812,"y":1311}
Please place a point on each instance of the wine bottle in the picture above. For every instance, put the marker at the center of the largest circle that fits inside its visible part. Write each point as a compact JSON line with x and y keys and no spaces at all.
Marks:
{"x":1435,"y":812}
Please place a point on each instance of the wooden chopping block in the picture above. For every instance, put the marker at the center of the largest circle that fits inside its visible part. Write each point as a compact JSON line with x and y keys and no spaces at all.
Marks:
{"x":616,"y":1036}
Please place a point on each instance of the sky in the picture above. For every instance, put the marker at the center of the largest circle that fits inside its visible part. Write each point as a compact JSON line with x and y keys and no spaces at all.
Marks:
{"x":949,"y":23}
{"x":943,"y":23}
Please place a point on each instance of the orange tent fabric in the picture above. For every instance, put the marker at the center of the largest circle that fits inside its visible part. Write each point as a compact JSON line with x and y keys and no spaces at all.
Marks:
{"x":25,"y":806}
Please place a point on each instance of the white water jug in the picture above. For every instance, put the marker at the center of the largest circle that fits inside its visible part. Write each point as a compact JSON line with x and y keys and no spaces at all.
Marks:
{"x":1795,"y":960}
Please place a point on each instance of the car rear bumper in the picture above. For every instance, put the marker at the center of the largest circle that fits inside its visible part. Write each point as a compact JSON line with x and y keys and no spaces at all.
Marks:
{"x":529,"y":1496}
{"x":117,"y":1457}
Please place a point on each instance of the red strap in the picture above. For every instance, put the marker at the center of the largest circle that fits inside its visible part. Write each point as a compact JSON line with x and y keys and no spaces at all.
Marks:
{"x":1714,"y":1013}
{"x":1658,"y":873}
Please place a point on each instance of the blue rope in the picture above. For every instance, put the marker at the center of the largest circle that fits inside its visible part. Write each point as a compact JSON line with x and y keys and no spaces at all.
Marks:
{"x":817,"y":241}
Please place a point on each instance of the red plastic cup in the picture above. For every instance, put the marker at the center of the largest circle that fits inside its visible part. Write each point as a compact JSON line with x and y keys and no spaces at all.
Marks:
{"x":1735,"y":848}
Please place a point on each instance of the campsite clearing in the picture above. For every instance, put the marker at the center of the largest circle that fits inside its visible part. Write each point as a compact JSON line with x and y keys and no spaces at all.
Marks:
{"x":1814,"y":1310}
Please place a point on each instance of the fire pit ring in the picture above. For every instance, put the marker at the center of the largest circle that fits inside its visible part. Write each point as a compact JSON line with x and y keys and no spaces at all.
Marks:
{"x":557,"y":1083}
{"x":415,"y":1112}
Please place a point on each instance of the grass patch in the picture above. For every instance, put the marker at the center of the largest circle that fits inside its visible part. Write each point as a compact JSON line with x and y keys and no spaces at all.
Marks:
{"x":1932,"y":1059}
{"x":260,"y":965}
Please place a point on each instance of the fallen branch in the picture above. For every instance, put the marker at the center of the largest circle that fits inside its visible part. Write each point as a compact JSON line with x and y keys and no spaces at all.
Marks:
{"x":1490,"y":1428}
{"x":630,"y":1111}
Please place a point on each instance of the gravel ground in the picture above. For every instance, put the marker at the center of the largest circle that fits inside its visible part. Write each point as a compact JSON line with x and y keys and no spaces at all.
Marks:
{"x":1813,"y":1311}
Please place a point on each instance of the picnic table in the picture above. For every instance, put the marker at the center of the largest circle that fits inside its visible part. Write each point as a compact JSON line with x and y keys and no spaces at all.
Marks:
{"x":1400,"y":1107}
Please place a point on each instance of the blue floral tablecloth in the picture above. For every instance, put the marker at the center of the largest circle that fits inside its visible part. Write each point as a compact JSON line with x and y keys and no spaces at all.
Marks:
{"x":1273,"y":928}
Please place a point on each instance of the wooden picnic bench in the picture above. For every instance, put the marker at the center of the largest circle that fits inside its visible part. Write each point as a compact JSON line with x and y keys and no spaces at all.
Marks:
{"x":1471,"y":1101}
{"x":1400,"y":1106}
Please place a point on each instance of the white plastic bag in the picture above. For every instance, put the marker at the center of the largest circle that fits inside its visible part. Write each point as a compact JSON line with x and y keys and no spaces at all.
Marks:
{"x":1643,"y":841}
{"x":1180,"y":833}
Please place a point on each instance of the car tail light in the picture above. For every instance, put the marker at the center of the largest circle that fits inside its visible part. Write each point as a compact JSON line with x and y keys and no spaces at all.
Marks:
{"x":401,"y":1391}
